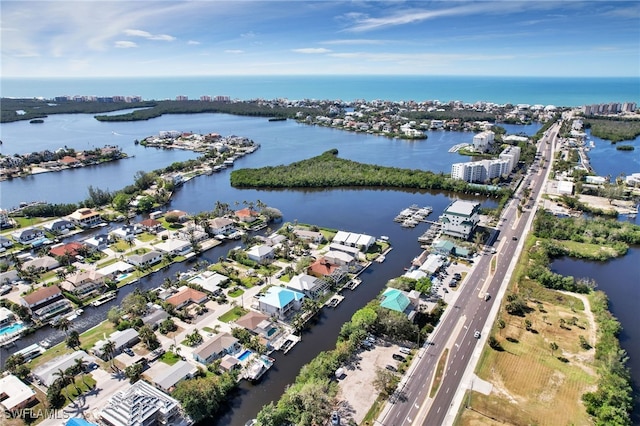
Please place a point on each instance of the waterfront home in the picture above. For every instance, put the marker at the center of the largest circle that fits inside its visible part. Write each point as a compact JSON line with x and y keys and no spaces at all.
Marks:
{"x":280,"y":302}
{"x":27,"y":235}
{"x":258,"y":323}
{"x":261,"y":253}
{"x":98,"y":242}
{"x":15,"y":394}
{"x":42,"y":263}
{"x":311,"y":286}
{"x":228,"y":363}
{"x":69,"y":249}
{"x":272,"y":240}
{"x":209,"y":281}
{"x":84,"y":284}
{"x":175,"y":247}
{"x":141,"y":404}
{"x":85,"y":218}
{"x":6,"y":317}
{"x":45,"y":374}
{"x":219,"y":345}
{"x":167,"y":379}
{"x":155,"y":317}
{"x":187,"y":295}
{"x":146,"y":259}
{"x":192,"y":233}
{"x":339,"y":258}
{"x":352,"y":239}
{"x":460,"y":218}
{"x":46,"y":302}
{"x":121,"y":339}
{"x":221,"y":226}
{"x":322,"y":268}
{"x":60,"y":226}
{"x":152,"y":226}
{"x":432,"y":263}
{"x":306,"y":235}
{"x":179,"y":214}
{"x":401,"y":301}
{"x":246,"y":215}
{"x":125,"y":232}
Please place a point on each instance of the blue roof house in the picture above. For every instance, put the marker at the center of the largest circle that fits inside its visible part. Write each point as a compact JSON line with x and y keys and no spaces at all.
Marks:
{"x":399,"y":301}
{"x":280,"y":302}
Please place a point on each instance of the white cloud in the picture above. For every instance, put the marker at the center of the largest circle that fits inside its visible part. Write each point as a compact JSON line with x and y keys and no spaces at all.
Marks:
{"x":148,"y":35}
{"x":234,"y":51}
{"x":355,"y":41}
{"x":311,"y":50}
{"x":193,"y":42}
{"x":121,"y":44}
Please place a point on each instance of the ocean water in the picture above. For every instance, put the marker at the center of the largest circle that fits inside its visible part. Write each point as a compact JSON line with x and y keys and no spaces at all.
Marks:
{"x":515,"y":90}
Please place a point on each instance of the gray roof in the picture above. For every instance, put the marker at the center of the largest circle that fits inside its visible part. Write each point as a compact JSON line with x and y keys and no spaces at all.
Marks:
{"x":463,"y":208}
{"x":137,"y":405}
{"x":168,"y":377}
{"x":46,"y":372}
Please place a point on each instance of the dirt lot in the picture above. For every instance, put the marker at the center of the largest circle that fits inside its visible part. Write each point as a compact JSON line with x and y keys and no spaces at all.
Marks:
{"x":357,"y":394}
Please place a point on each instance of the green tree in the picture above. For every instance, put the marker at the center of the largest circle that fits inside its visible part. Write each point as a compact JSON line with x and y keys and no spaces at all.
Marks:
{"x":385,"y":382}
{"x":148,"y":337}
{"x":120,"y":202}
{"x":202,"y":398}
{"x":109,"y":349}
{"x":501,"y":325}
{"x":134,"y":371}
{"x":73,"y":339}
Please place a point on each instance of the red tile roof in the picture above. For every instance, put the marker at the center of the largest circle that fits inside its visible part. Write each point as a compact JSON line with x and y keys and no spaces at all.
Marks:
{"x":71,"y":249}
{"x":41,"y":294}
{"x":186,"y":294}
{"x":321,"y":267}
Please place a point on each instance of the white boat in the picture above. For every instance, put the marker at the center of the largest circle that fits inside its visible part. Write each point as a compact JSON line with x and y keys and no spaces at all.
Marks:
{"x":104,"y":299}
{"x":258,"y":367}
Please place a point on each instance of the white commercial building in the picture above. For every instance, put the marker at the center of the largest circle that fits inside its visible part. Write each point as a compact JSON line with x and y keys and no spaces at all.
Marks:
{"x":460,"y":218}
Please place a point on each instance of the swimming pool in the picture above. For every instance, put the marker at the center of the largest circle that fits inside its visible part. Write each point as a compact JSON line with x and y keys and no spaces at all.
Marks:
{"x":11,"y":329}
{"x":244,"y":355}
{"x":122,"y":277}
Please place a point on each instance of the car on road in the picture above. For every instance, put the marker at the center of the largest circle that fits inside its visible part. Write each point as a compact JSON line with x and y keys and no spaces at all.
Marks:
{"x":398,"y":357}
{"x":514,"y":238}
{"x":390,"y":368}
{"x":476,"y":334}
{"x":487,"y":296}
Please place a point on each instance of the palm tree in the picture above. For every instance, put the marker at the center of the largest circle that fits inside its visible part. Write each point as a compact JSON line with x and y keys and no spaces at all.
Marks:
{"x":81,"y":365}
{"x":64,"y":324}
{"x":109,"y":349}
{"x":64,"y":380}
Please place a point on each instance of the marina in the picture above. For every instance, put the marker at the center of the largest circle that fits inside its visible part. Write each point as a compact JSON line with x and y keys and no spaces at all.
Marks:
{"x":413,"y":215}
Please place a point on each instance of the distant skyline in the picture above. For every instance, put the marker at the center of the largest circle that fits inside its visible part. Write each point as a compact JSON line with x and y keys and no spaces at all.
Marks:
{"x":183,"y":38}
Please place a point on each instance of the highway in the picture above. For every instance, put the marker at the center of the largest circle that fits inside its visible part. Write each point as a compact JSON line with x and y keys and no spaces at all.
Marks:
{"x":468,"y":313}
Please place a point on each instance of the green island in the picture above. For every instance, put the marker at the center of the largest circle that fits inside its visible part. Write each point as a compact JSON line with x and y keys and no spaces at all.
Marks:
{"x":614,"y":129}
{"x":625,"y":148}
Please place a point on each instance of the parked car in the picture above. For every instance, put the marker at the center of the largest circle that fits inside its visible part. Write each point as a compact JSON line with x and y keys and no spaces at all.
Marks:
{"x":390,"y":368}
{"x":404,"y":350}
{"x":398,"y":357}
{"x":128,"y":351}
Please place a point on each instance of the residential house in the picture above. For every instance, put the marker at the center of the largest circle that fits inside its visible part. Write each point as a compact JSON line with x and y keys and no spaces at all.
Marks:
{"x":182,"y":216}
{"x":339,"y":258}
{"x":175,"y":247}
{"x":6,"y":317}
{"x":400,"y":301}
{"x":192,"y":233}
{"x":209,"y":281}
{"x":151,"y":225}
{"x":311,"y":286}
{"x":61,"y":226}
{"x":221,"y":226}
{"x":5,"y":242}
{"x":280,"y":302}
{"x":323,"y":268}
{"x":84,"y":284}
{"x":219,"y":345}
{"x":42,"y":263}
{"x":15,"y":394}
{"x":98,"y":242}
{"x":46,"y":302}
{"x":121,"y":339}
{"x":261,"y":253}
{"x":312,"y":236}
{"x":126,"y":232}
{"x":85,"y":218}
{"x":141,"y":405}
{"x":46,"y":373}
{"x":187,"y":295}
{"x":27,"y":235}
{"x":352,"y":239}
{"x":258,"y":323}
{"x":168,"y":378}
{"x":353,"y":251}
{"x":460,"y":218}
{"x":146,"y":259}
{"x":69,"y":249}
{"x":9,"y":277}
{"x":246,"y":215}
{"x":155,"y":317}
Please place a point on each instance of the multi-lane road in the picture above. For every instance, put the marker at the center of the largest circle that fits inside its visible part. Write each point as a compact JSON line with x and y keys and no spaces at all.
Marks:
{"x":468,"y":313}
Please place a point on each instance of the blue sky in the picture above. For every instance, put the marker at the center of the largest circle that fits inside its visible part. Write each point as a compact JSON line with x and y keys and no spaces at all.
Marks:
{"x":176,"y":38}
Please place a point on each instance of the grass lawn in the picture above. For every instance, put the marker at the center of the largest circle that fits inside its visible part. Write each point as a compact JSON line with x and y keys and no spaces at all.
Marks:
{"x":233,"y":314}
{"x":236,"y":292}
{"x":88,"y":384}
{"x":146,"y":237}
{"x":374,"y":411}
{"x":170,"y":358}
{"x":95,"y":334}
{"x":207,"y":329}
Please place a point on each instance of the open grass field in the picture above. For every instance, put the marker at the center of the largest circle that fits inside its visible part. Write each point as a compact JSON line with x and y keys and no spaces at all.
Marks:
{"x":532,"y":383}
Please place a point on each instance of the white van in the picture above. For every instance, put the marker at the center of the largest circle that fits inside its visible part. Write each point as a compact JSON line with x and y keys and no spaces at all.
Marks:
{"x":404,"y":350}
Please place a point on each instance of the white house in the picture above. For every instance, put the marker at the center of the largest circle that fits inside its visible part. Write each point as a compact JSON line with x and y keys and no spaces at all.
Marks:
{"x":261,"y":253}
{"x":145,"y":259}
{"x":221,"y":226}
{"x":175,"y":247}
{"x":14,"y":393}
{"x":309,"y":285}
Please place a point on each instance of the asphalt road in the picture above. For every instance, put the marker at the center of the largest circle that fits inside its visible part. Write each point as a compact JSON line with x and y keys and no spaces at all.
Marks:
{"x":412,"y":404}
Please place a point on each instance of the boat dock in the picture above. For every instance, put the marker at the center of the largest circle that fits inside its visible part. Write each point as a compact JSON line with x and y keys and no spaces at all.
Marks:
{"x":334,"y":301}
{"x":431,"y":234}
{"x":104,"y":299}
{"x":458,"y":146}
{"x":413,"y":215}
{"x":288,"y":343}
{"x":353,"y":283}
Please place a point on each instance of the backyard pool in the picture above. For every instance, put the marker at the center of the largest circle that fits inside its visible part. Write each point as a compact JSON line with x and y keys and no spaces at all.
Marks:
{"x":122,"y":276}
{"x":244,"y":355}
{"x":11,"y":329}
